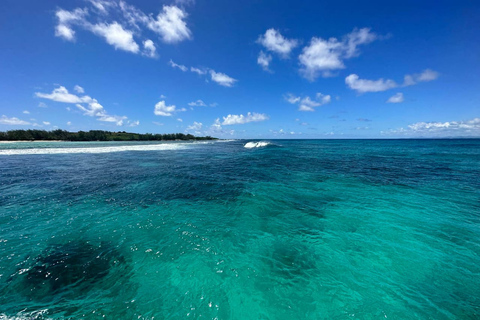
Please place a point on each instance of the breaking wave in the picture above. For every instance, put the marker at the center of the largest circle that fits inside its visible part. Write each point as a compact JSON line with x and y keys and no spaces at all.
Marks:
{"x":150,"y":147}
{"x":259,"y":144}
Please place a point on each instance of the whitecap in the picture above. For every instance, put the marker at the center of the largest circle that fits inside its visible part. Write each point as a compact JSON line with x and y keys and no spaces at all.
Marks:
{"x":150,"y":147}
{"x":251,"y":144}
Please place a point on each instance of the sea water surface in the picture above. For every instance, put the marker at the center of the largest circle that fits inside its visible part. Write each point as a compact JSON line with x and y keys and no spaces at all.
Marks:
{"x":282,"y":229}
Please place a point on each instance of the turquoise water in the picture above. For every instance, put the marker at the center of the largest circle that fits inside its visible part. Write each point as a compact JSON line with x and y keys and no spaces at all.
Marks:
{"x":305,"y":229}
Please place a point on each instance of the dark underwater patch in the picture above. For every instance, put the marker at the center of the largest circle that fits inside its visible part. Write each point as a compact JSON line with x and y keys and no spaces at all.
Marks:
{"x":75,"y":268}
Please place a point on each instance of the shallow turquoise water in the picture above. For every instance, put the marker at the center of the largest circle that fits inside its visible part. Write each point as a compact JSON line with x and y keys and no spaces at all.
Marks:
{"x":306,"y":229}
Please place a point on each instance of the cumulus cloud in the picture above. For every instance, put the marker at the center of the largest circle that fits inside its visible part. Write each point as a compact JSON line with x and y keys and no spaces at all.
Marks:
{"x":161,"y":109}
{"x":468,"y":128}
{"x":198,"y":103}
{"x":179,"y":66}
{"x":89,"y":106}
{"x":12,"y":121}
{"x":116,"y":36}
{"x":222,"y":79}
{"x":26,"y":112}
{"x":170,"y":25}
{"x":306,"y":103}
{"x":66,"y":19}
{"x":232,"y":119}
{"x":273,"y":41}
{"x":264,"y":60}
{"x":42,"y":105}
{"x":149,"y":49}
{"x":363,"y":85}
{"x":322,"y":57}
{"x":46,"y":123}
{"x":397,"y":98}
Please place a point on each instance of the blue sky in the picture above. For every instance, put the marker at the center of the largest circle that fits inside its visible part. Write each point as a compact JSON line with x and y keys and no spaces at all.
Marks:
{"x":244,"y":69}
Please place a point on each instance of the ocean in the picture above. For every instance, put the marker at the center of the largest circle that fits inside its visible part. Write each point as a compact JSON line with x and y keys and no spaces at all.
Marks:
{"x":240,"y":229}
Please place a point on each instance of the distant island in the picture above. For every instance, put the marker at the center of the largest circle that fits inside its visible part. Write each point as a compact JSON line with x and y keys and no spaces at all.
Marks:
{"x":93,"y":135}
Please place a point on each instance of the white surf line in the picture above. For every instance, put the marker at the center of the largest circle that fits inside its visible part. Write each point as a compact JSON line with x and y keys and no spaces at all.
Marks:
{"x":153,"y":147}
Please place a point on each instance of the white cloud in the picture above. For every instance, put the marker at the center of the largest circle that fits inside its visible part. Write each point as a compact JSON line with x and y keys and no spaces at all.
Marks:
{"x":161,"y":109}
{"x":196,"y":126}
{"x":306,"y":103}
{"x":197,"y":70}
{"x":222,"y":79}
{"x":12,"y":121}
{"x":69,"y":123}
{"x":78,"y":89}
{"x":232,"y":119}
{"x":397,"y":98}
{"x":26,"y":112}
{"x":42,"y":105}
{"x":61,"y":94}
{"x":184,"y":2}
{"x":273,"y":41}
{"x":92,"y":108}
{"x":170,"y":25}
{"x":66,"y":19}
{"x":102,"y":6}
{"x":46,"y":123}
{"x":363,"y":85}
{"x":179,"y":120}
{"x":179,"y":66}
{"x":198,"y":103}
{"x":149,"y":49}
{"x":264,"y":60}
{"x":134,"y":123}
{"x":116,"y":36}
{"x":321,"y":56}
{"x":425,"y":76}
{"x":292,"y":99}
{"x":468,"y":128}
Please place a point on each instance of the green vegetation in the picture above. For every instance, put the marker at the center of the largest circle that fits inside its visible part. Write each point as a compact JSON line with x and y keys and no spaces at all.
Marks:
{"x":93,"y":135}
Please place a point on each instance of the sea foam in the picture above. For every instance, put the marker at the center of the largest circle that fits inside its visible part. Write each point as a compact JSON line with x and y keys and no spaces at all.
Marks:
{"x":150,"y":147}
{"x":250,"y":145}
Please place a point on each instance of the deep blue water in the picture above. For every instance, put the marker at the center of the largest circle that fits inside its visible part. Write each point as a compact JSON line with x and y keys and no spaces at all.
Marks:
{"x":296,"y":229}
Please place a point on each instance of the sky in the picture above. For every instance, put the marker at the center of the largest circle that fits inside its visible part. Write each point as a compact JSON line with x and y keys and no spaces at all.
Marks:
{"x":242,"y":69}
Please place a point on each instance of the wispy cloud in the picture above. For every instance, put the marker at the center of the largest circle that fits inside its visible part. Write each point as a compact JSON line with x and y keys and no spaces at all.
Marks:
{"x":354,"y":82}
{"x":12,"y":121}
{"x":222,"y":79}
{"x":467,"y":128}
{"x":198,"y":103}
{"x":264,"y":60}
{"x":306,"y":103}
{"x":396,"y":98}
{"x":232,"y":119}
{"x":363,"y":85}
{"x":179,"y":66}
{"x":425,"y":76}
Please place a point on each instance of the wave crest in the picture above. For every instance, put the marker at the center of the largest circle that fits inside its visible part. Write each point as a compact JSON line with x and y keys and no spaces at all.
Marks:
{"x":259,"y":144}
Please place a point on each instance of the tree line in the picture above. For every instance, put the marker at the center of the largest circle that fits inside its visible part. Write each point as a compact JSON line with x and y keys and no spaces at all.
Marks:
{"x":93,"y":135}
